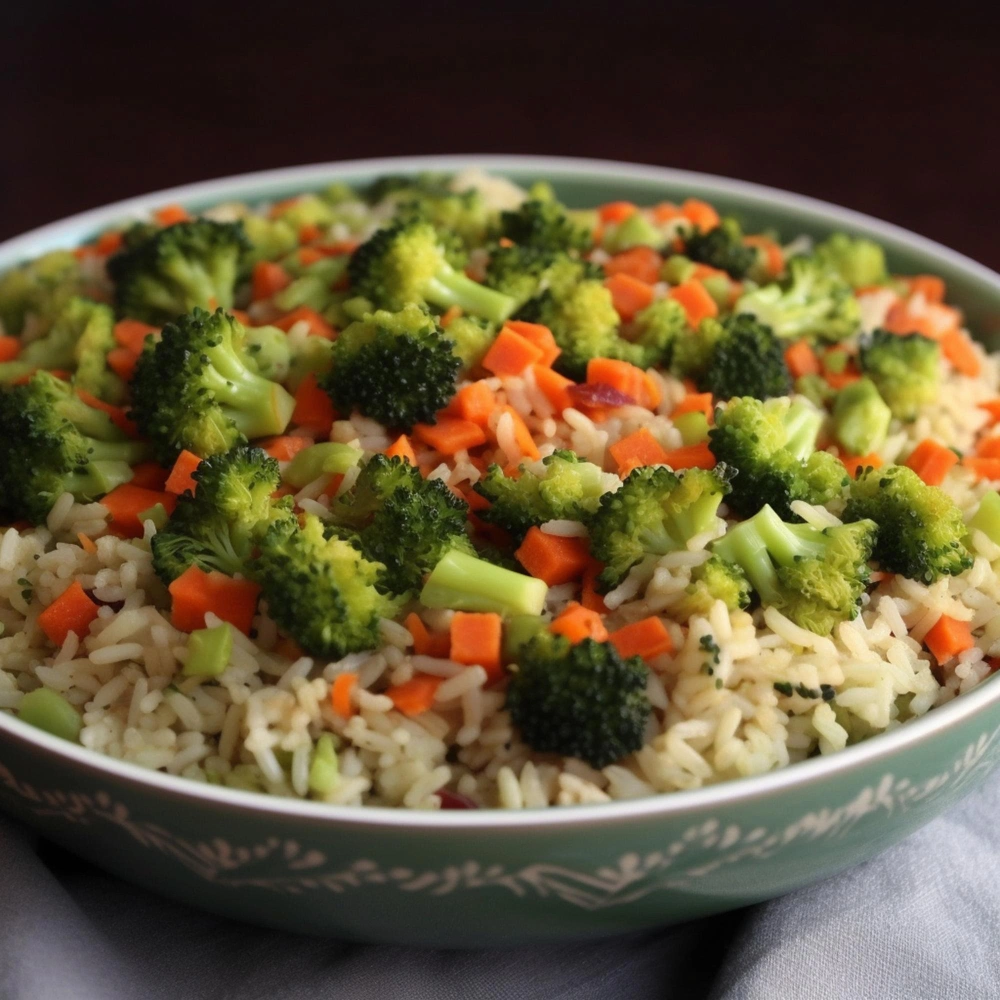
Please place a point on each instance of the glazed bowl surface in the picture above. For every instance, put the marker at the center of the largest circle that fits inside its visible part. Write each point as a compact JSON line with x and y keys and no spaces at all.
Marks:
{"x":491,"y":877}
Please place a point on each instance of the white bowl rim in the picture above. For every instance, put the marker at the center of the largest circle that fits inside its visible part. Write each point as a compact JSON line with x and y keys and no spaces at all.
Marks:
{"x":73,"y":229}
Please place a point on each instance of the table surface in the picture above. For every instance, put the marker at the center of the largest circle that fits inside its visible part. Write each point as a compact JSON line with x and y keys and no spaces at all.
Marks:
{"x":880,"y":109}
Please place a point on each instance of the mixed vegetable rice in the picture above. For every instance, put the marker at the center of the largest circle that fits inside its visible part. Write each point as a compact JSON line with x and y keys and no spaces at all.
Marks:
{"x":440,"y":494}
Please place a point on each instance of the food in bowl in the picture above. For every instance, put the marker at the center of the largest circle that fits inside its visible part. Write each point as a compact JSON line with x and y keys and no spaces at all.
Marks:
{"x":443,"y":495}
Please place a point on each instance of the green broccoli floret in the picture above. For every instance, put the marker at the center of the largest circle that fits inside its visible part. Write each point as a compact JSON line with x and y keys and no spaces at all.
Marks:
{"x":321,"y":590}
{"x":463,"y":213}
{"x":658,"y":329}
{"x":655,"y":512}
{"x":398,"y":368}
{"x":269,"y":239}
{"x":737,"y":356}
{"x":311,"y":356}
{"x":51,"y":443}
{"x":180,"y":267}
{"x":525,"y":272}
{"x":906,"y":369}
{"x":39,"y":288}
{"x":470,"y":340}
{"x":315,"y":289}
{"x":812,"y":301}
{"x":401,"y":520}
{"x":861,"y":418}
{"x":426,"y":184}
{"x":328,"y":458}
{"x":543,"y":225}
{"x":920,"y":529}
{"x":722,"y":248}
{"x":635,"y":231}
{"x":711,"y":581}
{"x":815,"y":576}
{"x":569,"y":489}
{"x":304,"y":210}
{"x":579,"y":700}
{"x":197,"y":388}
{"x":466,"y":583}
{"x":772,"y":445}
{"x":216,"y":528}
{"x":406,"y":263}
{"x":859,"y":262}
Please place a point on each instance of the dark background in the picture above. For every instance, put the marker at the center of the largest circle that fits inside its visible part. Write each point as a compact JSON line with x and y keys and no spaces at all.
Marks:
{"x":890,"y":109}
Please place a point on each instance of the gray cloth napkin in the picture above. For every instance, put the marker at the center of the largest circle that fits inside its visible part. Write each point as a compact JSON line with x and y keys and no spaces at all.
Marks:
{"x":921,"y":921}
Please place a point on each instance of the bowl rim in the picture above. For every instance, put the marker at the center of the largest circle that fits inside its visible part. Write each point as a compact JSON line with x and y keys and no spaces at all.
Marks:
{"x":260,"y":185}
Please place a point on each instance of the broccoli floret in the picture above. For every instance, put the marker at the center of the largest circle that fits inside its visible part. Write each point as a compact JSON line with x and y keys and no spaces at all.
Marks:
{"x":861,"y":418}
{"x":657,"y":330}
{"x":51,"y":443}
{"x":197,"y":388}
{"x":722,"y":247}
{"x":906,"y":369}
{"x":406,"y":263}
{"x":401,"y":520}
{"x":525,"y":272}
{"x":813,"y":301}
{"x":309,"y":356}
{"x":815,"y":576}
{"x":737,"y":356}
{"x":398,"y":368}
{"x":305,"y":210}
{"x":215,"y":529}
{"x":859,"y":262}
{"x":569,"y":489}
{"x":315,"y":288}
{"x":772,"y":445}
{"x":816,"y":389}
{"x":470,"y":340}
{"x":655,"y":512}
{"x":320,"y":590}
{"x":269,"y":239}
{"x":328,"y":458}
{"x":426,"y":184}
{"x":711,"y":581}
{"x":39,"y":288}
{"x":636,"y":230}
{"x":463,"y":213}
{"x":579,"y":700}
{"x":465,"y":583}
{"x":185,"y":265}
{"x":543,"y":225}
{"x":920,"y":529}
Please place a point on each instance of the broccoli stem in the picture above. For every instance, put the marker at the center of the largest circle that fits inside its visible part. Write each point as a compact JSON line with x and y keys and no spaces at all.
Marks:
{"x":97,"y":478}
{"x":256,"y":406}
{"x":329,"y":458}
{"x":464,"y":583}
{"x":802,"y":423}
{"x":861,"y":418}
{"x":128,"y":452}
{"x":987,"y":517}
{"x":450,"y":288}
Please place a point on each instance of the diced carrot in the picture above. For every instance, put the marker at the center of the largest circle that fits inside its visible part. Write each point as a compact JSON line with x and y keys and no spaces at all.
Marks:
{"x":149,"y":476}
{"x":589,"y":597}
{"x":948,"y":637}
{"x":992,"y":407}
{"x":195,"y":593}
{"x":840,"y":380}
{"x":243,"y":317}
{"x":642,"y":263}
{"x":774,"y":258}
{"x":318,"y":327}
{"x":451,"y":434}
{"x":928,"y":285}
{"x":855,"y":463}
{"x":425,"y":643}
{"x":693,"y":456}
{"x":267,"y":279}
{"x":931,"y":461}
{"x":181,"y":478}
{"x":448,"y":316}
{"x":989,"y":447}
{"x":553,"y":558}
{"x":695,"y":402}
{"x":127,"y":502}
{"x":578,"y":623}
{"x":626,"y":378}
{"x":476,"y":639}
{"x":402,"y":448}
{"x":170,"y":215}
{"x":801,"y":359}
{"x":284,"y":447}
{"x":665,"y":211}
{"x":554,"y":387}
{"x":338,"y":247}
{"x":637,"y":448}
{"x":703,"y":271}
{"x":309,"y":233}
{"x":957,"y":348}
{"x":475,"y":402}
{"x":629,"y":294}
{"x":340,"y":694}
{"x":647,"y":638}
{"x":71,"y":611}
{"x":616,"y":211}
{"x":540,"y":336}
{"x":982,"y":468}
{"x":122,"y":362}
{"x":109,"y":242}
{"x":119,"y":415}
{"x":313,"y":407}
{"x":416,"y":695}
{"x":510,"y":354}
{"x":131,"y":334}
{"x":86,"y":543}
{"x":697,"y":303}
{"x":934,"y":320}
{"x":700,"y":213}
{"x":10,"y":348}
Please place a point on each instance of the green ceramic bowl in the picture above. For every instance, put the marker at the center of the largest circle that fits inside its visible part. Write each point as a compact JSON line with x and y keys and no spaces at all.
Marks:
{"x":489,"y":877}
